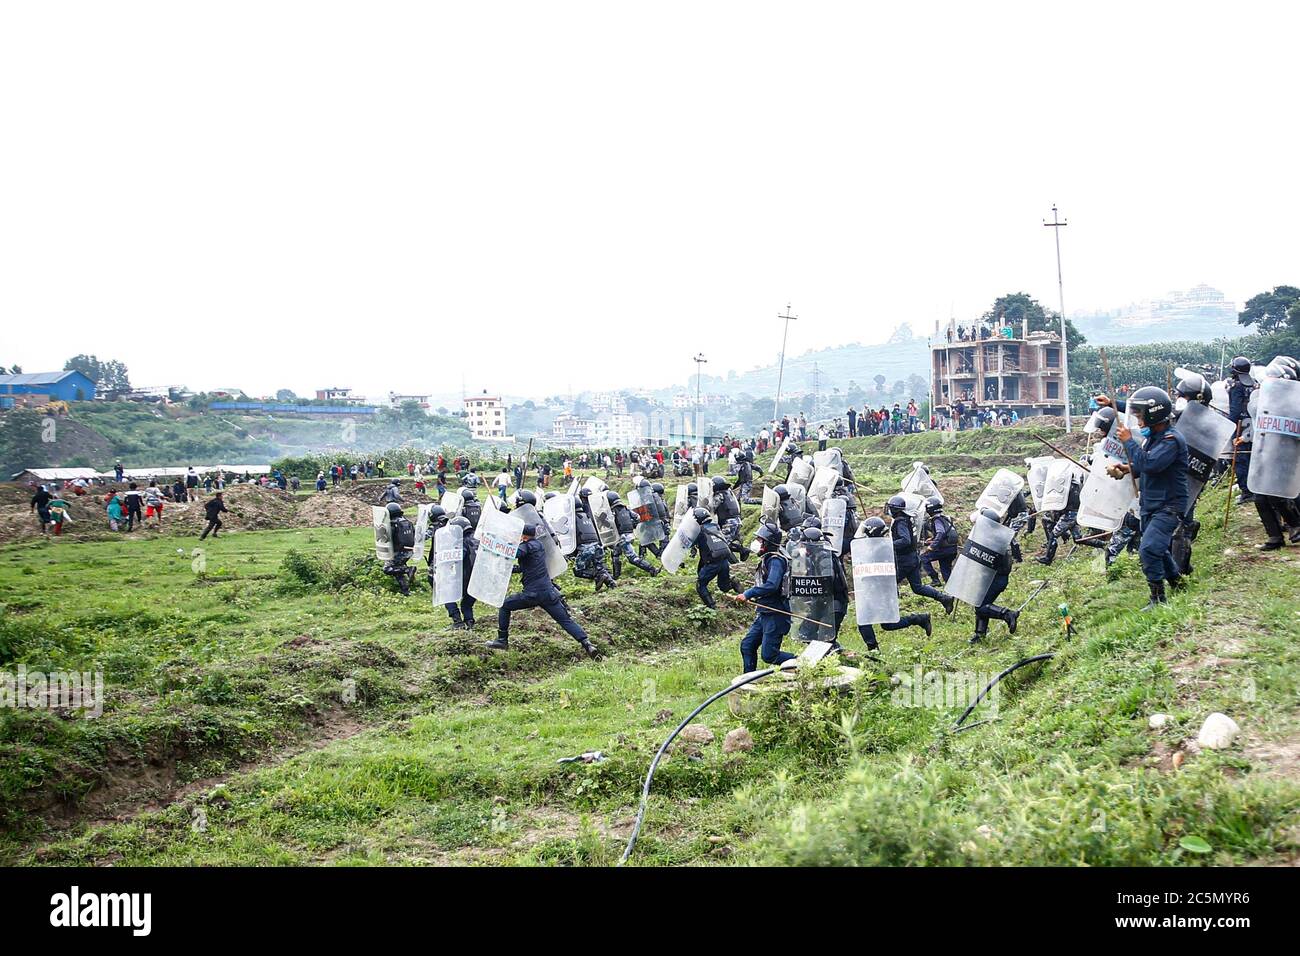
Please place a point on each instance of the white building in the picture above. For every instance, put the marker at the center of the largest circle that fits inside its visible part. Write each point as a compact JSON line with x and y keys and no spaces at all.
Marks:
{"x":617,"y":431}
{"x":486,"y":417}
{"x":572,"y":430}
{"x":611,"y":402}
{"x":397,"y":400}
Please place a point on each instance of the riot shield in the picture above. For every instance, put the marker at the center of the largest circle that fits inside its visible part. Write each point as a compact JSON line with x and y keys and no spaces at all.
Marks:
{"x":679,"y":546}
{"x":915,"y":512}
{"x":602,"y":515}
{"x":452,"y":503}
{"x":812,"y":575}
{"x":1103,"y":500}
{"x":1037,"y":477}
{"x":1206,"y":433}
{"x":919,"y":482}
{"x":449,"y":564}
{"x":595,"y":486}
{"x":421,"y":528}
{"x":780,"y":454}
{"x":649,"y":529}
{"x":498,"y":535}
{"x":494,"y":503}
{"x":771,"y":507}
{"x":559,"y":515}
{"x":974,"y":569}
{"x":1000,"y":492}
{"x":823,"y":484}
{"x":801,"y":473}
{"x":832,"y":514}
{"x":1056,"y":487}
{"x":555,"y":563}
{"x":1275,"y":457}
{"x":383,"y":533}
{"x":875,"y":584}
{"x":830,"y":458}
{"x":681,"y":505}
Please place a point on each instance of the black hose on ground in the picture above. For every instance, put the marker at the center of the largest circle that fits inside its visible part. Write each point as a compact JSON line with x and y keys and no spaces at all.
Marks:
{"x":645,"y":788}
{"x":1018,"y":664}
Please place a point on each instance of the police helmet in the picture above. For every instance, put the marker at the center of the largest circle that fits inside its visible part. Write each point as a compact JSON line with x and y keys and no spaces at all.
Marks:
{"x":467,"y":494}
{"x":812,"y":521}
{"x":701,"y":515}
{"x":611,"y":497}
{"x":584,"y":493}
{"x":657,"y":488}
{"x":812,"y":534}
{"x":719,"y":483}
{"x":530,"y":529}
{"x":1151,"y":404}
{"x":873,"y":527}
{"x":933,"y":505}
{"x":394,"y":510}
{"x":692,"y":489}
{"x":990,"y":514}
{"x":897,"y":506}
{"x":782,"y":492}
{"x":460,"y":521}
{"x":1194,"y":388}
{"x":769,"y":533}
{"x":1240,"y":365}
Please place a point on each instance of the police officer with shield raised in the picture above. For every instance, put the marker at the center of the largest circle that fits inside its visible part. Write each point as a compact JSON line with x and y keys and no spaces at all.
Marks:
{"x":771,"y":590}
{"x":906,"y":559}
{"x":874,"y":528}
{"x":715,"y":558}
{"x":398,"y":566}
{"x":625,"y":521}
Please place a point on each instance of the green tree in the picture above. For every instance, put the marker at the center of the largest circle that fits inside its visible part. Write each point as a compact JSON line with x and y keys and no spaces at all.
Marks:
{"x":286,"y":395}
{"x":108,"y":376}
{"x":1014,"y":307}
{"x":1270,"y":310}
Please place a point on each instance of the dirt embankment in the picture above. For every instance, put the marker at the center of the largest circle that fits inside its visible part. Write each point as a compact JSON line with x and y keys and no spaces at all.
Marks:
{"x":250,"y":508}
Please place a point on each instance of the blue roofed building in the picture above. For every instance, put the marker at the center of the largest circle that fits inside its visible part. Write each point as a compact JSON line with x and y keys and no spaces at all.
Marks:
{"x":68,"y":386}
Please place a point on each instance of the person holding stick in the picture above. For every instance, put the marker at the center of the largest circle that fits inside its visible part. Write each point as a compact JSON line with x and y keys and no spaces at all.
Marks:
{"x":771,"y":620}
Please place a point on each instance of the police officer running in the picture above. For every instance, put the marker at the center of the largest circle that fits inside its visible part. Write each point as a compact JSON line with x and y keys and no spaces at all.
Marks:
{"x":770,"y":590}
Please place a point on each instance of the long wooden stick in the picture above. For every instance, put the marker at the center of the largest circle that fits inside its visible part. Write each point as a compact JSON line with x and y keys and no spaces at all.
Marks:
{"x":777,"y":610}
{"x":1063,"y":454}
{"x":1094,"y":537}
{"x":1232,"y":478}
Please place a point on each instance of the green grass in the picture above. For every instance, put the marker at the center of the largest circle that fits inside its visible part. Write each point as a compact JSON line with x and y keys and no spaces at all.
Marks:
{"x":449,"y":755}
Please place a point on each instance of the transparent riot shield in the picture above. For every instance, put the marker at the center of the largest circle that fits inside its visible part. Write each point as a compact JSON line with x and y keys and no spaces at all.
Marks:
{"x":1103,"y":500}
{"x":915,"y":512}
{"x":771,"y":508}
{"x":1000,"y":492}
{"x":452,"y":503}
{"x":1275,"y":456}
{"x":595,"y":486}
{"x":1056,"y":487}
{"x":680,"y":544}
{"x":801,"y":473}
{"x":875,"y":583}
{"x":830,"y":458}
{"x":781,"y":453}
{"x":975,"y":566}
{"x":812,"y":575}
{"x":449,"y":564}
{"x":681,"y":505}
{"x":649,"y":529}
{"x":421,"y":528}
{"x":1206,"y":433}
{"x":823,"y":484}
{"x":832,"y":514}
{"x":555,"y":563}
{"x":383,"y":533}
{"x":498,"y":535}
{"x":1037,"y":477}
{"x":602,"y":515}
{"x":919,"y":482}
{"x":559,"y":513}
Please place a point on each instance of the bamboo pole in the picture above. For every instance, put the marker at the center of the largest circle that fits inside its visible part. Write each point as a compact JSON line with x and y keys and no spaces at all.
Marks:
{"x":776,"y":610}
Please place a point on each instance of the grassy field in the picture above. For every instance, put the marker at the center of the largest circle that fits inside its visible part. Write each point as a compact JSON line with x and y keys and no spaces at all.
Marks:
{"x":274,"y":710}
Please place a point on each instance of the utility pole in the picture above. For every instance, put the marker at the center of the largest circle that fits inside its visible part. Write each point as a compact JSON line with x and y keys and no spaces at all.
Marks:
{"x":780,"y":374}
{"x":699,"y":423}
{"x":1055,"y":226}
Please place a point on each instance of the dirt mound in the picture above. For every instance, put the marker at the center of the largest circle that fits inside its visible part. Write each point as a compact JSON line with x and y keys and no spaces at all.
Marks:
{"x":251,"y":508}
{"x":333,"y":511}
{"x":372,"y":491}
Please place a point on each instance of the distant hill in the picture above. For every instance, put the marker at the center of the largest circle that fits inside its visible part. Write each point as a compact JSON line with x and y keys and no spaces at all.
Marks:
{"x":1200,"y":314}
{"x":902,"y":356}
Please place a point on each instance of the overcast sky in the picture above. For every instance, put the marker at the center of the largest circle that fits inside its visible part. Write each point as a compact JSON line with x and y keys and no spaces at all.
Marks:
{"x":541,"y":196}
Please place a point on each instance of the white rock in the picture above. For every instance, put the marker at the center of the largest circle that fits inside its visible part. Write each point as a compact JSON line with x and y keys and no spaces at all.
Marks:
{"x":1156,"y":721}
{"x":736,"y":740}
{"x":697,"y":734}
{"x":1218,"y":731}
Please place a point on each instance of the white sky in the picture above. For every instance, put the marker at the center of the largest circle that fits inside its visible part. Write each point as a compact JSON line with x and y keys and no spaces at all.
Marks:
{"x":273,"y":194}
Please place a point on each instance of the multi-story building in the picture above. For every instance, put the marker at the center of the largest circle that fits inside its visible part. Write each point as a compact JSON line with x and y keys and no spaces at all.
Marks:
{"x":397,"y":400}
{"x":571,"y":430}
{"x":1011,"y":369}
{"x":486,"y":417}
{"x":617,"y":431}
{"x":338,"y":395}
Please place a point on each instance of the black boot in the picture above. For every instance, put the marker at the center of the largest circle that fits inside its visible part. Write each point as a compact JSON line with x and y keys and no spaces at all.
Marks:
{"x":949,"y":603}
{"x":1177,"y":584}
{"x":981,"y":629}
{"x":1157,"y":595}
{"x":1012,"y":618}
{"x":592,"y":650}
{"x":502,"y":643}
{"x":924,"y":621}
{"x":1272,"y":544}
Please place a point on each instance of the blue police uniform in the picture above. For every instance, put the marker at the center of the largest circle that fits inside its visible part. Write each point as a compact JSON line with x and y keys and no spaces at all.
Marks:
{"x":712,"y":565}
{"x":1239,"y":414}
{"x":539,"y":591}
{"x":1160,"y":463}
{"x":769,"y":627}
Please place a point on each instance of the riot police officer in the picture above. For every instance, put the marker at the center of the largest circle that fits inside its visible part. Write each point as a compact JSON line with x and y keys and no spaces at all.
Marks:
{"x":728,"y":511}
{"x":539,"y":591}
{"x":462,"y":615}
{"x":471,"y":509}
{"x":715,"y":558}
{"x":744,"y":482}
{"x":1058,"y":525}
{"x":907,"y":563}
{"x":403,"y":531}
{"x":942,"y":549}
{"x":789,"y":514}
{"x":589,"y":559}
{"x":875,"y":527}
{"x":625,"y":522}
{"x":1160,"y":463}
{"x":1001,"y":578}
{"x":772,"y":591}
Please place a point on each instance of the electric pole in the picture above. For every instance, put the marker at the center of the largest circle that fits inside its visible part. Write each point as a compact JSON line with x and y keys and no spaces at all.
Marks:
{"x":780,"y":374}
{"x":1055,"y":226}
{"x":699,"y":423}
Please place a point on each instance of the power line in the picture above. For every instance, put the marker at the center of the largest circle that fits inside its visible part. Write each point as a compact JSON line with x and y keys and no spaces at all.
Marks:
{"x":780,"y":375}
{"x":1055,"y":226}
